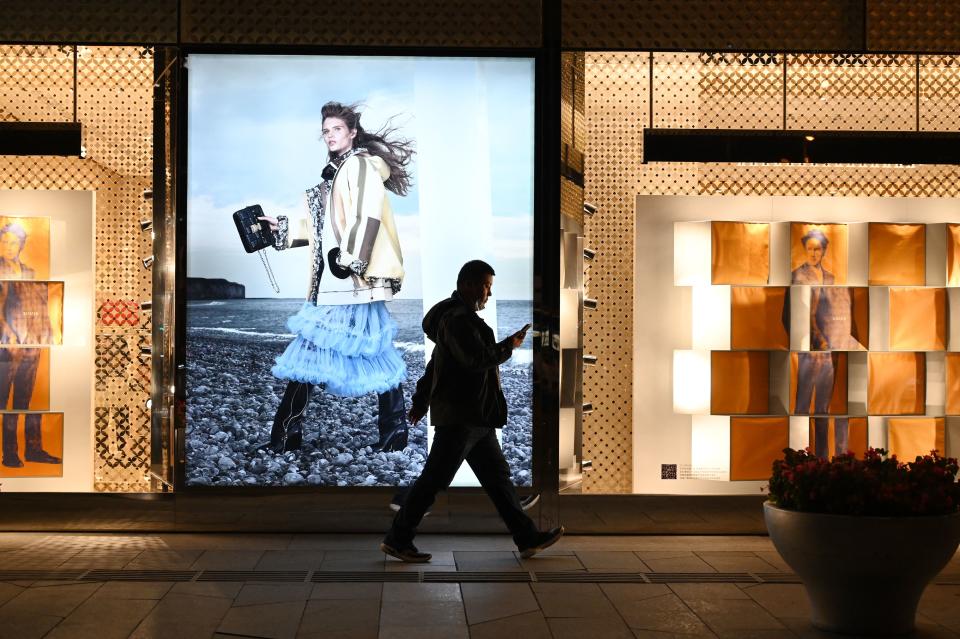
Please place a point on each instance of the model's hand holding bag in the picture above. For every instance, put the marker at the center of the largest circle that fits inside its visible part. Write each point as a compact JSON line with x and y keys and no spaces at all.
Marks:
{"x":256,"y":235}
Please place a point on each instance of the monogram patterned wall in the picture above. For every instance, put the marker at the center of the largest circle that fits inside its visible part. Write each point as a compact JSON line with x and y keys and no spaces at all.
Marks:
{"x":114,"y":103}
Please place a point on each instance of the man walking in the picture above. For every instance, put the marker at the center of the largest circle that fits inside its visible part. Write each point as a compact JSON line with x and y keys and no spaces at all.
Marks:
{"x":461,"y":386}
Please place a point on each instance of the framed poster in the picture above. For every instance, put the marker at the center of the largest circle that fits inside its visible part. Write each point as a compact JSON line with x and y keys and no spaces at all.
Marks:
{"x":362,"y":168}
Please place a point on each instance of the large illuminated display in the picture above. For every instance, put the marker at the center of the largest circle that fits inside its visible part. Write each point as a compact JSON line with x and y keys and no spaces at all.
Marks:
{"x":301,"y":365}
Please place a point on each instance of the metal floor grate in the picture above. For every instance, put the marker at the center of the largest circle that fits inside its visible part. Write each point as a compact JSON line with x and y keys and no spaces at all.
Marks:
{"x":475,"y":576}
{"x":254,"y":575}
{"x":578,"y":576}
{"x":40,"y":575}
{"x":330,"y":576}
{"x":140,"y":575}
{"x":700,"y":577}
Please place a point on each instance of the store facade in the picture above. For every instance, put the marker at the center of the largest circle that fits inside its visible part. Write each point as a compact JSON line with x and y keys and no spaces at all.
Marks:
{"x":630,"y":333}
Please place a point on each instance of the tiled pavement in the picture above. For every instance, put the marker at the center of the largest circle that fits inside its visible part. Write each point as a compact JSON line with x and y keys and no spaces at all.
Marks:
{"x":303,"y":604}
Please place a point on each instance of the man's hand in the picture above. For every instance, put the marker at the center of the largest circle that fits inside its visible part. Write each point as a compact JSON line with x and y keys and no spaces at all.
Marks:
{"x":415,"y":414}
{"x":272,"y":221}
{"x":517,"y":338}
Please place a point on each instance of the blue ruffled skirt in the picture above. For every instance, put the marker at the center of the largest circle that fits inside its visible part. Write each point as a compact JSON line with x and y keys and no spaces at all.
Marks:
{"x":347,"y":348}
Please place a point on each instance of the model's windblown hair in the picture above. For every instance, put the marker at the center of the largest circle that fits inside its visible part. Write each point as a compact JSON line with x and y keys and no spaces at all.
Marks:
{"x":396,"y":152}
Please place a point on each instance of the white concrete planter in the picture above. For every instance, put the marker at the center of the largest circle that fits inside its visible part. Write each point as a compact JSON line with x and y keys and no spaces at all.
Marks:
{"x":864,"y":575}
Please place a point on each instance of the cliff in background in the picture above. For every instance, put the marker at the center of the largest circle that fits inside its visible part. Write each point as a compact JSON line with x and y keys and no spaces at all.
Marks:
{"x":202,"y":288}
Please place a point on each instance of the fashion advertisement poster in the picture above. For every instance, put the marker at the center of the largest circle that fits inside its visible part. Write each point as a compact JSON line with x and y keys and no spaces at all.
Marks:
{"x":24,"y":248}
{"x":371,"y":181}
{"x":818,"y":253}
{"x":32,"y":313}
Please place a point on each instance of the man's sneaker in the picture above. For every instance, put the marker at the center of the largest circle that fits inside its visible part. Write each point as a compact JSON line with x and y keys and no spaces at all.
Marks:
{"x":541,"y":542}
{"x":530,"y":501}
{"x":407,"y":553}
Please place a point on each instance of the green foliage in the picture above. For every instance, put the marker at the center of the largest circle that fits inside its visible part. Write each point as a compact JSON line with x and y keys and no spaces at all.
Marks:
{"x":876,"y":485}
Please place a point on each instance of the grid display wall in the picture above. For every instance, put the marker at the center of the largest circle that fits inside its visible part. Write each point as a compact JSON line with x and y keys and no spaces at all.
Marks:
{"x":700,"y":90}
{"x":115,"y":106}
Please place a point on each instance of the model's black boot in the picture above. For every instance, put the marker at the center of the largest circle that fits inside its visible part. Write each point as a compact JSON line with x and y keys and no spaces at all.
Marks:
{"x":34,"y":444}
{"x":11,"y":457}
{"x":391,"y":421}
{"x":287,"y":431}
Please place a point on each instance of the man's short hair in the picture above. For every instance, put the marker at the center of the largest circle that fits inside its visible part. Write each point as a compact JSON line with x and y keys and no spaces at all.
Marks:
{"x":815,"y":234}
{"x":15,"y":229}
{"x":474,"y":271}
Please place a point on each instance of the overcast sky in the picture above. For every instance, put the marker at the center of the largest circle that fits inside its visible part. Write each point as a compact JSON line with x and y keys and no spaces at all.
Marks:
{"x":254,"y":129}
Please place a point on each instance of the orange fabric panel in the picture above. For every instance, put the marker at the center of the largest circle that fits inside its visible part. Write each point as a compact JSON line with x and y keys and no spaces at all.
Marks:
{"x":918,"y":319}
{"x":896,"y":383}
{"x":830,"y":370}
{"x":953,"y":254}
{"x":739,"y":382}
{"x":741,"y":253}
{"x":909,"y":437}
{"x":757,"y":316}
{"x":953,"y":383}
{"x":856,"y":436}
{"x":830,"y":265}
{"x":39,"y":321}
{"x":16,"y":358}
{"x":51,"y":440}
{"x":35,"y":253}
{"x":755,"y":442}
{"x":839,"y":318}
{"x":897,"y":254}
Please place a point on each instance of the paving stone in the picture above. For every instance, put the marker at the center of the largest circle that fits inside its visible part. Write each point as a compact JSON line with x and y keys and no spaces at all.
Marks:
{"x":530,"y":625}
{"x":488,"y":601}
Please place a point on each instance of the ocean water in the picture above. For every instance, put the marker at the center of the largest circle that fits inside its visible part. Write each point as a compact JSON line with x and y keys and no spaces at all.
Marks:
{"x":256,"y":320}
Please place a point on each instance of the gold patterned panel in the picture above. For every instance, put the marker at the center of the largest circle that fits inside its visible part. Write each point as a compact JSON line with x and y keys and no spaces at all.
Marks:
{"x":713,"y":24}
{"x":447,"y":23}
{"x":915,"y":25}
{"x":725,"y":78}
{"x":940,"y":93}
{"x":851,"y":92}
{"x":115,"y":107}
{"x":114,"y":21}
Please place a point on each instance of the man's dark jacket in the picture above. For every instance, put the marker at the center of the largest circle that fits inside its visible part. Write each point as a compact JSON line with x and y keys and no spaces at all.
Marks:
{"x":461,"y":384}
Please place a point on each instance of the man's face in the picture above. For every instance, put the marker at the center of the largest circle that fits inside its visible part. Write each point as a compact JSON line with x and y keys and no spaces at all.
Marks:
{"x":9,"y":246}
{"x":337,"y":135}
{"x":814,"y":251}
{"x":481,"y":291}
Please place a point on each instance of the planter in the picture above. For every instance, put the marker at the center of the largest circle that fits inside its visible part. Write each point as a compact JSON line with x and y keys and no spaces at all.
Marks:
{"x":864,"y":575}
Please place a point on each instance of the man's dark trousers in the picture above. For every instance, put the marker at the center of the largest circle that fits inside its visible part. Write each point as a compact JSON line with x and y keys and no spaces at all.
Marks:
{"x":452,"y":445}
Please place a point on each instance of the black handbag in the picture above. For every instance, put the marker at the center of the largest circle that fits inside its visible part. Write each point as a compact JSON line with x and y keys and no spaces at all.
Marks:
{"x":255,"y":234}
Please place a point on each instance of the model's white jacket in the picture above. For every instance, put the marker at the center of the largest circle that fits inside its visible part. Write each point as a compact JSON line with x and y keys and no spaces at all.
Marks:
{"x":351,"y":213}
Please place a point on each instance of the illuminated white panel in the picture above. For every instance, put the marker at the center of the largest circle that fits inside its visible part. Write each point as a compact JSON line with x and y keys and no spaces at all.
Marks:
{"x":711,"y":317}
{"x":710,"y":444}
{"x":691,"y":382}
{"x":691,"y":253}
